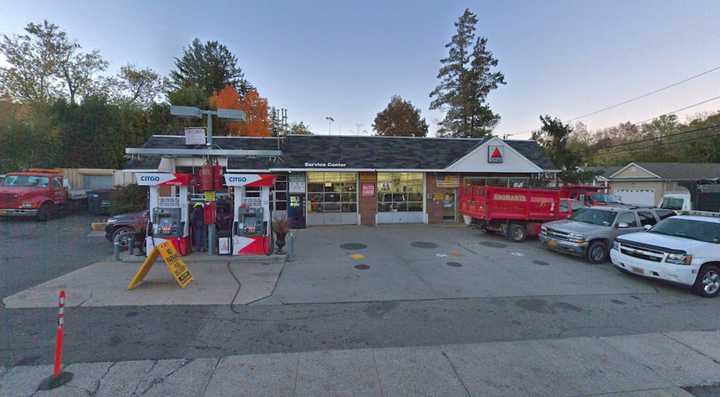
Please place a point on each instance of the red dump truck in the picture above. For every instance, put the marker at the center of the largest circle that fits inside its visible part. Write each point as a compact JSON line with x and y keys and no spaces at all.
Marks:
{"x":39,"y":193}
{"x":514,"y":212}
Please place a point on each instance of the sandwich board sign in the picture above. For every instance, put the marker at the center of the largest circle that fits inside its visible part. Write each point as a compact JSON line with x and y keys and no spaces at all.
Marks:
{"x":177,"y":268}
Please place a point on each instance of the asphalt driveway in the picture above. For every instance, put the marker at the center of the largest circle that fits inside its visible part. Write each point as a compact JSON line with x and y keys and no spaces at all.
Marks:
{"x":407,"y":262}
{"x":33,"y":252}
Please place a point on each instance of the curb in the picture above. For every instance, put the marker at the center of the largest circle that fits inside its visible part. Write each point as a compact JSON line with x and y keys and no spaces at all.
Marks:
{"x":98,"y":226}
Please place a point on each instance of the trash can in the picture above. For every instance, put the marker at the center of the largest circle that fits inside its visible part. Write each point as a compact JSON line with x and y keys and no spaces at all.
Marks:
{"x":99,"y":202}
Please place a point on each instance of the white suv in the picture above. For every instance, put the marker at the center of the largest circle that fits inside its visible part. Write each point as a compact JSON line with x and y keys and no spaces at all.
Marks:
{"x":682,"y":249}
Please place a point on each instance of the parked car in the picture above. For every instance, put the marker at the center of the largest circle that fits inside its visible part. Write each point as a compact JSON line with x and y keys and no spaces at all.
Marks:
{"x":590,"y":232}
{"x":683,"y":249}
{"x":604,"y":199}
{"x":118,"y":227}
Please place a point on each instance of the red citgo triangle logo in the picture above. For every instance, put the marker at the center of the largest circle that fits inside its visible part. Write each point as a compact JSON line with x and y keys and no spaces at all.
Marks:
{"x":496,"y":154}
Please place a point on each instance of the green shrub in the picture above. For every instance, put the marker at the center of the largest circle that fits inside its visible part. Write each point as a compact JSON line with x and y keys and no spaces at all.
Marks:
{"x":131,"y":198}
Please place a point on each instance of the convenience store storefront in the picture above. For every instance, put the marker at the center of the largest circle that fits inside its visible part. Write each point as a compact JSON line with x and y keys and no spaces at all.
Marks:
{"x":351,"y":180}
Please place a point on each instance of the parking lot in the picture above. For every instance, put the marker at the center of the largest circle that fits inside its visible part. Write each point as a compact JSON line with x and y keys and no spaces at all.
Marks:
{"x":32,"y":252}
{"x":406,"y":262}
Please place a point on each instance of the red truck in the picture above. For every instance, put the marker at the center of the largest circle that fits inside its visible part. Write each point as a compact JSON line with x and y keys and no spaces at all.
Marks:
{"x":514,"y":212}
{"x":38,"y":193}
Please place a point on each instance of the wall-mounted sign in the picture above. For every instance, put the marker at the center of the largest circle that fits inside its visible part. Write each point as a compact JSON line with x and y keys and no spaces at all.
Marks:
{"x":195,"y":136}
{"x":447,"y":181}
{"x":315,"y":164}
{"x":495,"y":154}
{"x":368,"y":190}
{"x":296,"y":183}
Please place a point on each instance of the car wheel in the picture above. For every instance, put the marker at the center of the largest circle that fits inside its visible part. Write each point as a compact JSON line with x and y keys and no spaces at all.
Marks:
{"x":123,"y":235}
{"x":707,"y":283}
{"x":46,"y":211}
{"x":517,"y":232}
{"x":597,"y":252}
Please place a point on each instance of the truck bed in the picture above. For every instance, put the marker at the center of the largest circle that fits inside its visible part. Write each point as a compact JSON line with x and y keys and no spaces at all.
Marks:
{"x":490,"y":203}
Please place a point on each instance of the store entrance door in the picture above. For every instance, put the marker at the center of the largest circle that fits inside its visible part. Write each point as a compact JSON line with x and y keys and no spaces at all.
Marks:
{"x":449,"y":205}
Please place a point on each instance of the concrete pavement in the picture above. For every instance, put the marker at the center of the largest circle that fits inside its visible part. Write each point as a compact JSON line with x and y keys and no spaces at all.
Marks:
{"x":668,"y":365}
{"x":105,"y":284}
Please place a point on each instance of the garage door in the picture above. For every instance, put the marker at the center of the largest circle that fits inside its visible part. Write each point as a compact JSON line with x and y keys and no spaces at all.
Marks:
{"x":637,"y":196}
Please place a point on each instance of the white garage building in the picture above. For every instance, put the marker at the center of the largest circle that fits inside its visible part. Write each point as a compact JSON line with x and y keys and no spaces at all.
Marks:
{"x":643,"y":183}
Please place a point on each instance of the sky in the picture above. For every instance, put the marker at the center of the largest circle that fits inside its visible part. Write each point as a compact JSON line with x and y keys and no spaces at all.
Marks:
{"x":345,"y":59}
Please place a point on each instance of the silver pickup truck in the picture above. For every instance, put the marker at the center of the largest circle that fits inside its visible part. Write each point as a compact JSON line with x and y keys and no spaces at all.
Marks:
{"x":590,"y":232}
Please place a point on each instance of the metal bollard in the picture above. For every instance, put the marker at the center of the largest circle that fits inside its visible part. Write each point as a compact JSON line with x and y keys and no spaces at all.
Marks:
{"x":290,"y":246}
{"x":116,"y":250}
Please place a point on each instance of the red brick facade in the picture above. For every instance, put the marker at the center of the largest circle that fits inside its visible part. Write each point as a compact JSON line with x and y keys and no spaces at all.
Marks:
{"x":367,"y":202}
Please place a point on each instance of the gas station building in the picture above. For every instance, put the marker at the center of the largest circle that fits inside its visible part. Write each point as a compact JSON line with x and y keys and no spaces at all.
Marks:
{"x":365,"y":180}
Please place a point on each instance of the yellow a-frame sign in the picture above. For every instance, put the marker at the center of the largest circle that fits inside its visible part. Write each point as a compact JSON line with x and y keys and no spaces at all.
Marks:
{"x":172,"y":260}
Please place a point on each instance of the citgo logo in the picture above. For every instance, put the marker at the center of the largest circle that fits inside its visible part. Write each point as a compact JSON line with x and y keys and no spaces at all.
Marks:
{"x":238,"y":179}
{"x":150,"y":178}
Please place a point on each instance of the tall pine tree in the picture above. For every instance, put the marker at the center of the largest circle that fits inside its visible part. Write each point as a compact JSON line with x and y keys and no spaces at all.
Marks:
{"x":466,"y":79}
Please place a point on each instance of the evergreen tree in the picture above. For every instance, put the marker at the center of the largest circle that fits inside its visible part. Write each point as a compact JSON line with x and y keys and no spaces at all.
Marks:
{"x":400,"y":118}
{"x":209,"y":67}
{"x":466,"y":79}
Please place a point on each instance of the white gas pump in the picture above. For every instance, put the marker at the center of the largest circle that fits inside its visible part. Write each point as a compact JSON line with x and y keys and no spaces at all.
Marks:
{"x":252,"y":226}
{"x":169,"y":211}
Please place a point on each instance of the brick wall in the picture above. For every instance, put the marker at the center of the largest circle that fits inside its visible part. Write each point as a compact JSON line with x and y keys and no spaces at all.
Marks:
{"x":434,"y":202}
{"x":368,"y":205}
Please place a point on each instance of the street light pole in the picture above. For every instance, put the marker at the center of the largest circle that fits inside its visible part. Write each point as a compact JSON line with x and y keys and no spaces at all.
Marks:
{"x":193,"y":112}
{"x":330,"y":121}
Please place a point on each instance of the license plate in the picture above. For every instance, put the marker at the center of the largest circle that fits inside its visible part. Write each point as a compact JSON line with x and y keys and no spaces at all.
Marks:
{"x":552,"y":243}
{"x":637,"y":270}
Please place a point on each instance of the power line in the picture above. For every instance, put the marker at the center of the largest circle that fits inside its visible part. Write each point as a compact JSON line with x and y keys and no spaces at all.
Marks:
{"x":656,"y":138}
{"x":647,"y":94}
{"x":666,"y":144}
{"x":715,"y":98}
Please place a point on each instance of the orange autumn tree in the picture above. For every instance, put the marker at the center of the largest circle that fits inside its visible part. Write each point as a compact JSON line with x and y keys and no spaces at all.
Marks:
{"x":255,"y":107}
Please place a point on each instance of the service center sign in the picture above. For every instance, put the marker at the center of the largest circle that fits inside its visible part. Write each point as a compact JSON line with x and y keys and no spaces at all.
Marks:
{"x":251,"y":180}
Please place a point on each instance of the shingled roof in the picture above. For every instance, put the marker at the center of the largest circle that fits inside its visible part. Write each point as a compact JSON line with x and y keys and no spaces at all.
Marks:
{"x":355,"y":152}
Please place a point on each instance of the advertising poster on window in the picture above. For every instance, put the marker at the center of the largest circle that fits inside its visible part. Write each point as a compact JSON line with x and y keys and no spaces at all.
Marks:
{"x":368,"y":190}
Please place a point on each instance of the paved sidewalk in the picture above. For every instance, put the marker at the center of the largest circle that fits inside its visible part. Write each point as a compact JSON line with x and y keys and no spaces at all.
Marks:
{"x":635,"y":365}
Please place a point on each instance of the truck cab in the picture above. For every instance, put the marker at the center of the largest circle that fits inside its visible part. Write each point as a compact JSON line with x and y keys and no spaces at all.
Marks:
{"x":32,"y":193}
{"x":676,"y":201}
{"x":682,"y":249}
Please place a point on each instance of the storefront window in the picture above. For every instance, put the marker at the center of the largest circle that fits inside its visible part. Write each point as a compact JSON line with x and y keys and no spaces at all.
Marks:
{"x":400,"y":191}
{"x":332,"y":192}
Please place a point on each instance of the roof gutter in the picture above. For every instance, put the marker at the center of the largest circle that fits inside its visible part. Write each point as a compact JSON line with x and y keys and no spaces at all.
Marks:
{"x":203,"y":152}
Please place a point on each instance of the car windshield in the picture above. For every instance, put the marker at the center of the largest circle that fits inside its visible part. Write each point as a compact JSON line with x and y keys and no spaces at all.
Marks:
{"x":689,"y":228}
{"x":594,"y":216}
{"x":672,"y":203}
{"x":25,"y":180}
{"x":605,"y":198}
